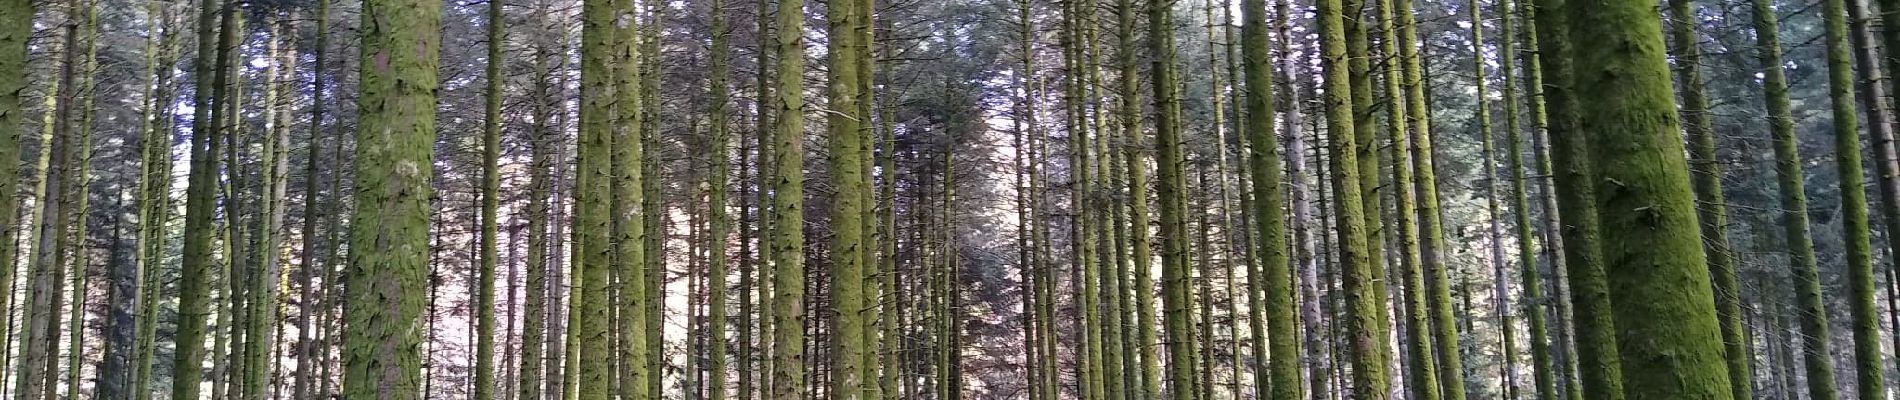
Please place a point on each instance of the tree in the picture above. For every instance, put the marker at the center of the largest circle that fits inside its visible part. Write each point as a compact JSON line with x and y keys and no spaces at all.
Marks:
{"x":16,"y":16}
{"x":1711,"y":207}
{"x":1789,"y":178}
{"x":388,"y":238}
{"x":788,"y":242}
{"x":491,"y":204}
{"x":1599,"y":367}
{"x":1870,"y":380}
{"x":848,"y":237}
{"x":312,"y":270}
{"x":716,"y":200}
{"x":1663,"y":306}
{"x":1274,"y":283}
{"x":200,"y":198}
{"x":1172,"y":194}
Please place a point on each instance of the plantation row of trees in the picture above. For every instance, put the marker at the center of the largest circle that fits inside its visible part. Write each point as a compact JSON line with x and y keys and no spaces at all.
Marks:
{"x":903,"y":199}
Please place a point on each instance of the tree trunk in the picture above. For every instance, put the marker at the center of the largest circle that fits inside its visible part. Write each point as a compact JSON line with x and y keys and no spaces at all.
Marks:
{"x":1664,"y":306}
{"x":390,"y":232}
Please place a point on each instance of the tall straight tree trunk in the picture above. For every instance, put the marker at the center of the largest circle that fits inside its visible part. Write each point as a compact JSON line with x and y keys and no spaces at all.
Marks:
{"x":1421,"y":373}
{"x":716,"y":199}
{"x":1431,"y":223}
{"x":788,"y":242}
{"x":1815,"y":325}
{"x":1669,"y":339}
{"x":1887,"y":160}
{"x":273,"y":176}
{"x":38,"y":344}
{"x":1494,"y":233}
{"x":484,"y":382}
{"x":16,"y":29}
{"x":311,"y":269}
{"x":605,"y":52}
{"x":1172,"y":194}
{"x":390,"y":232}
{"x":1136,"y":171}
{"x":631,"y":204}
{"x":155,"y":205}
{"x":200,"y":199}
{"x":652,"y":198}
{"x":1543,"y":385}
{"x":537,"y":302}
{"x":1357,"y":262}
{"x":1789,"y":177}
{"x":1272,"y":289}
{"x":847,"y":172}
{"x":122,"y":274}
{"x":1559,"y":359}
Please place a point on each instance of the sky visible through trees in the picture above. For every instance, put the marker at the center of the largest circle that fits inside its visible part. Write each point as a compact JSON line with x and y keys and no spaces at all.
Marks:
{"x":960,"y":199}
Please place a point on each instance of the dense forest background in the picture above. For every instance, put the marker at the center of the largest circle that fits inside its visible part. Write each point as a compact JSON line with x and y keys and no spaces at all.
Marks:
{"x":992,"y":199}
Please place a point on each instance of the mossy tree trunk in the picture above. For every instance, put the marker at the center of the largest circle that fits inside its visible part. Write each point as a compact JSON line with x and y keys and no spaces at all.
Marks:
{"x":1272,"y":289}
{"x":788,"y":242}
{"x":484,"y":382}
{"x":1706,"y":175}
{"x":389,"y":237}
{"x":1670,"y":344}
{"x":1599,"y":367}
{"x":1862,"y":310}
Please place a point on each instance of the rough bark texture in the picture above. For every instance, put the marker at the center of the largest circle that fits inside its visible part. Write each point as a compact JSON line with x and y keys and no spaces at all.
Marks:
{"x":1599,"y":368}
{"x":484,"y":385}
{"x":389,"y":236}
{"x":1172,"y":194}
{"x":1363,"y":318}
{"x":1706,"y":176}
{"x":1669,"y":340}
{"x":1272,"y":290}
{"x":199,"y":266}
{"x":788,"y":242}
{"x":716,"y":198}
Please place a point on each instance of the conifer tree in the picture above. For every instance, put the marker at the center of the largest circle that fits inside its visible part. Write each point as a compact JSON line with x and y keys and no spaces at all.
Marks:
{"x":716,"y":199}
{"x":484,"y":382}
{"x":788,"y":242}
{"x":1706,"y":175}
{"x":198,"y":266}
{"x":1788,"y":171}
{"x":1275,"y":281}
{"x":1663,"y":305}
{"x":1356,"y":261}
{"x":1862,"y":310}
{"x":388,"y":239}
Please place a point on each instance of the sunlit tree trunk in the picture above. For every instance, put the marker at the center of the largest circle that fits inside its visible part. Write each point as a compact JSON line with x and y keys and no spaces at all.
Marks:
{"x":1663,"y":307}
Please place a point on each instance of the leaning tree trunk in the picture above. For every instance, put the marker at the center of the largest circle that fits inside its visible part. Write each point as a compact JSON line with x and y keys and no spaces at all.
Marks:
{"x":1871,"y":380}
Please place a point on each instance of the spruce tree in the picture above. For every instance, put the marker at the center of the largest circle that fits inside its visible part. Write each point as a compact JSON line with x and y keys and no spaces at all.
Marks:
{"x":1789,"y":176}
{"x":1275,"y":282}
{"x":1663,"y":306}
{"x":788,"y":242}
{"x":389,"y":234}
{"x":848,"y":208}
{"x":1706,"y":174}
{"x":484,"y":385}
{"x":716,"y":199}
